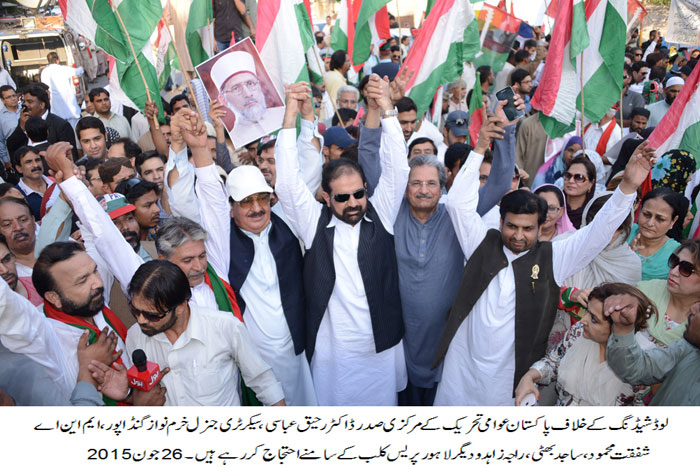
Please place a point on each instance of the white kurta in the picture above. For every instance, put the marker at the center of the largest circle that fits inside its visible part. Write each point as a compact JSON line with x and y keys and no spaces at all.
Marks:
{"x":346,"y":368}
{"x":52,"y":344}
{"x":59,"y":78}
{"x":264,"y":316}
{"x":479,"y":366}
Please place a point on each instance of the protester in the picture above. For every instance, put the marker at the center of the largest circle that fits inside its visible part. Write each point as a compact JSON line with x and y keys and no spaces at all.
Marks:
{"x":676,"y":366}
{"x":9,"y":116}
{"x":555,"y":167}
{"x":657,"y":110}
{"x":103,"y":108}
{"x":59,"y":78}
{"x":652,"y":237}
{"x":579,"y":187}
{"x":557,"y":221}
{"x":577,"y":364}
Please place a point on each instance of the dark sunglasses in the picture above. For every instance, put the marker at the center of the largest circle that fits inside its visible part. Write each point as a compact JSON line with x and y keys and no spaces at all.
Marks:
{"x":125,"y":187}
{"x":149,"y":316}
{"x":685,"y":268}
{"x":577,"y":177}
{"x":344,"y":197}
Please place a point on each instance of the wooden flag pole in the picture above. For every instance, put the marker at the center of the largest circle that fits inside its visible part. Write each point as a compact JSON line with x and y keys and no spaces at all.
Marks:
{"x":138,"y":65}
{"x":398,"y":20}
{"x":583,"y":115}
{"x":182,"y":67}
{"x":622,"y":95}
{"x":323,"y":77}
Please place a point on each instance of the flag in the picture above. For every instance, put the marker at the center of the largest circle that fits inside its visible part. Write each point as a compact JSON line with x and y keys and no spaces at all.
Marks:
{"x":372,"y":25}
{"x":428,"y":7}
{"x":635,"y":13}
{"x":680,"y":127}
{"x":341,"y":37}
{"x":97,"y":21}
{"x":165,"y":58}
{"x":598,"y":41}
{"x":199,"y":32}
{"x":501,"y":31}
{"x":283,"y":38}
{"x":476,"y":112}
{"x":448,"y":38}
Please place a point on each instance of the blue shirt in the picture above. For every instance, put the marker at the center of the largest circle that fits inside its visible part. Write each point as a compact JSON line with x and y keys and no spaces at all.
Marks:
{"x":8,"y":123}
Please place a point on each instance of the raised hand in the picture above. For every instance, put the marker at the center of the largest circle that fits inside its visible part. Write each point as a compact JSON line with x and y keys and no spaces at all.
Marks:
{"x":398,"y":86}
{"x":638,"y":168}
{"x":378,"y":93}
{"x":60,"y":160}
{"x":192,"y":129}
{"x":622,"y":308}
{"x":216,"y":113}
{"x":294,"y":95}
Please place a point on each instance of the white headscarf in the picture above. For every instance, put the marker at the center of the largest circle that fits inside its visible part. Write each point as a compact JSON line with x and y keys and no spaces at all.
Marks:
{"x":616,"y":263}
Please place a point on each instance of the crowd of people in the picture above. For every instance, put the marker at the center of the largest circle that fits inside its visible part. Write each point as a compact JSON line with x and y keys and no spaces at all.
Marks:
{"x":361,"y":255}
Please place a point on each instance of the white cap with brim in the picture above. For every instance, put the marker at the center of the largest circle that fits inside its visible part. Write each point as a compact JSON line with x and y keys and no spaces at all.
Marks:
{"x":672,"y":81}
{"x":246,"y":180}
{"x":230,"y":65}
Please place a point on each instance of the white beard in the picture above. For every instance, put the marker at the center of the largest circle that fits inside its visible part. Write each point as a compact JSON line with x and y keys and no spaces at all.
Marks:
{"x":253,"y":113}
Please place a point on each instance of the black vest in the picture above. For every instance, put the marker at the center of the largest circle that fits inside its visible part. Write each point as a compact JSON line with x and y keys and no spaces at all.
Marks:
{"x":288,"y":259}
{"x":536,"y":298}
{"x":377,"y":260}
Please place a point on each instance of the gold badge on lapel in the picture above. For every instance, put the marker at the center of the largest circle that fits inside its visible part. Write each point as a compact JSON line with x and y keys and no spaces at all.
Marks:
{"x":535,"y":272}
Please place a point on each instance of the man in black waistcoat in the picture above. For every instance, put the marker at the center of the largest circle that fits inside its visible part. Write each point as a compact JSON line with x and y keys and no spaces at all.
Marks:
{"x":354,"y":322}
{"x":501,"y":318}
{"x":263,"y":261}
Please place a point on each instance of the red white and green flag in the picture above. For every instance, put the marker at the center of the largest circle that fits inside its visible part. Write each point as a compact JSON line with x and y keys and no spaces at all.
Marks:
{"x":344,"y":28}
{"x":371,"y":26}
{"x":476,"y":111}
{"x":97,"y":21}
{"x":448,"y":38}
{"x":588,"y":45}
{"x":680,"y":127}
{"x":283,"y":39}
{"x":499,"y":31}
{"x":199,"y":31}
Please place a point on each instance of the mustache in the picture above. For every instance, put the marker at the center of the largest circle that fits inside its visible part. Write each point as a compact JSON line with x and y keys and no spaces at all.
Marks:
{"x":256,"y":214}
{"x":97,"y":293}
{"x":352,"y":210}
{"x":196,"y":273}
{"x":9,"y":277}
{"x":251,"y":100}
{"x":20,"y":235}
{"x":424,"y":196}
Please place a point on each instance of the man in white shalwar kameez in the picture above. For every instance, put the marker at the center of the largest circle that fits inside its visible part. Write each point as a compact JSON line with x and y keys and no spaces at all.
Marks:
{"x":480,"y":357}
{"x":356,"y":354}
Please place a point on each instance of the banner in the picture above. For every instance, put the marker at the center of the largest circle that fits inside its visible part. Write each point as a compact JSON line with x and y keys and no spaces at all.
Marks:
{"x":684,"y":22}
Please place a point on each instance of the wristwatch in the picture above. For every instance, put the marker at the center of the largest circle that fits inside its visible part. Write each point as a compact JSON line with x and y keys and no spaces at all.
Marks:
{"x":389,"y":113}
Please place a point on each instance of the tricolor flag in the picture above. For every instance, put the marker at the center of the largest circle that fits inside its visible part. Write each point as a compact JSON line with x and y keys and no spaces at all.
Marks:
{"x":283,"y":38}
{"x":588,"y":48}
{"x":372,"y":25}
{"x":448,"y":38}
{"x":97,"y":21}
{"x":343,"y":30}
{"x":680,"y":127}
{"x":476,"y":111}
{"x":635,"y":13}
{"x":499,"y":36}
{"x":165,"y":58}
{"x":199,"y":32}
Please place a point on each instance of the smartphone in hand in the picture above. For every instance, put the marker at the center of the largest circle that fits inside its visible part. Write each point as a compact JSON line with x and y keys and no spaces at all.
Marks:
{"x":512,"y":113}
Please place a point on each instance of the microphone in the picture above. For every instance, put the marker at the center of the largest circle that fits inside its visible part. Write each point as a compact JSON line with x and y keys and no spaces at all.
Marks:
{"x":144,"y":374}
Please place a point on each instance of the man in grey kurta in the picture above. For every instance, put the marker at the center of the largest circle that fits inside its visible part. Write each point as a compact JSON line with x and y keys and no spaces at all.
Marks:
{"x":430,"y":260}
{"x":677,"y":366}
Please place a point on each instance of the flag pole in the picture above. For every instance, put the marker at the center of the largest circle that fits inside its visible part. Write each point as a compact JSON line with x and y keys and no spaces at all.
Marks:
{"x":323,"y":78}
{"x":182,"y":67}
{"x":138,"y":65}
{"x":622,"y":94}
{"x":583,"y":130}
{"x":398,"y":20}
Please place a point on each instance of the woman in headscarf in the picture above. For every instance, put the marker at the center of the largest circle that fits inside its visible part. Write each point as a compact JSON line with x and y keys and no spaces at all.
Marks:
{"x":673,"y":170}
{"x":557,"y":221}
{"x":578,"y":364}
{"x":626,"y":152}
{"x":553,"y":168}
{"x":579,"y":182}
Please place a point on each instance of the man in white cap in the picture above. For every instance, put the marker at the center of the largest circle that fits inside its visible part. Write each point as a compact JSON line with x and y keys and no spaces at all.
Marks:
{"x":236,"y":79}
{"x":262,"y":260}
{"x":657,"y":110}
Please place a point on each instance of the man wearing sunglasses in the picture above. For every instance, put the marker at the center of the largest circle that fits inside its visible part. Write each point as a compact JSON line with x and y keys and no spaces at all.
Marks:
{"x":260,"y":256}
{"x":204,"y":348}
{"x":505,"y":306}
{"x":354,"y":322}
